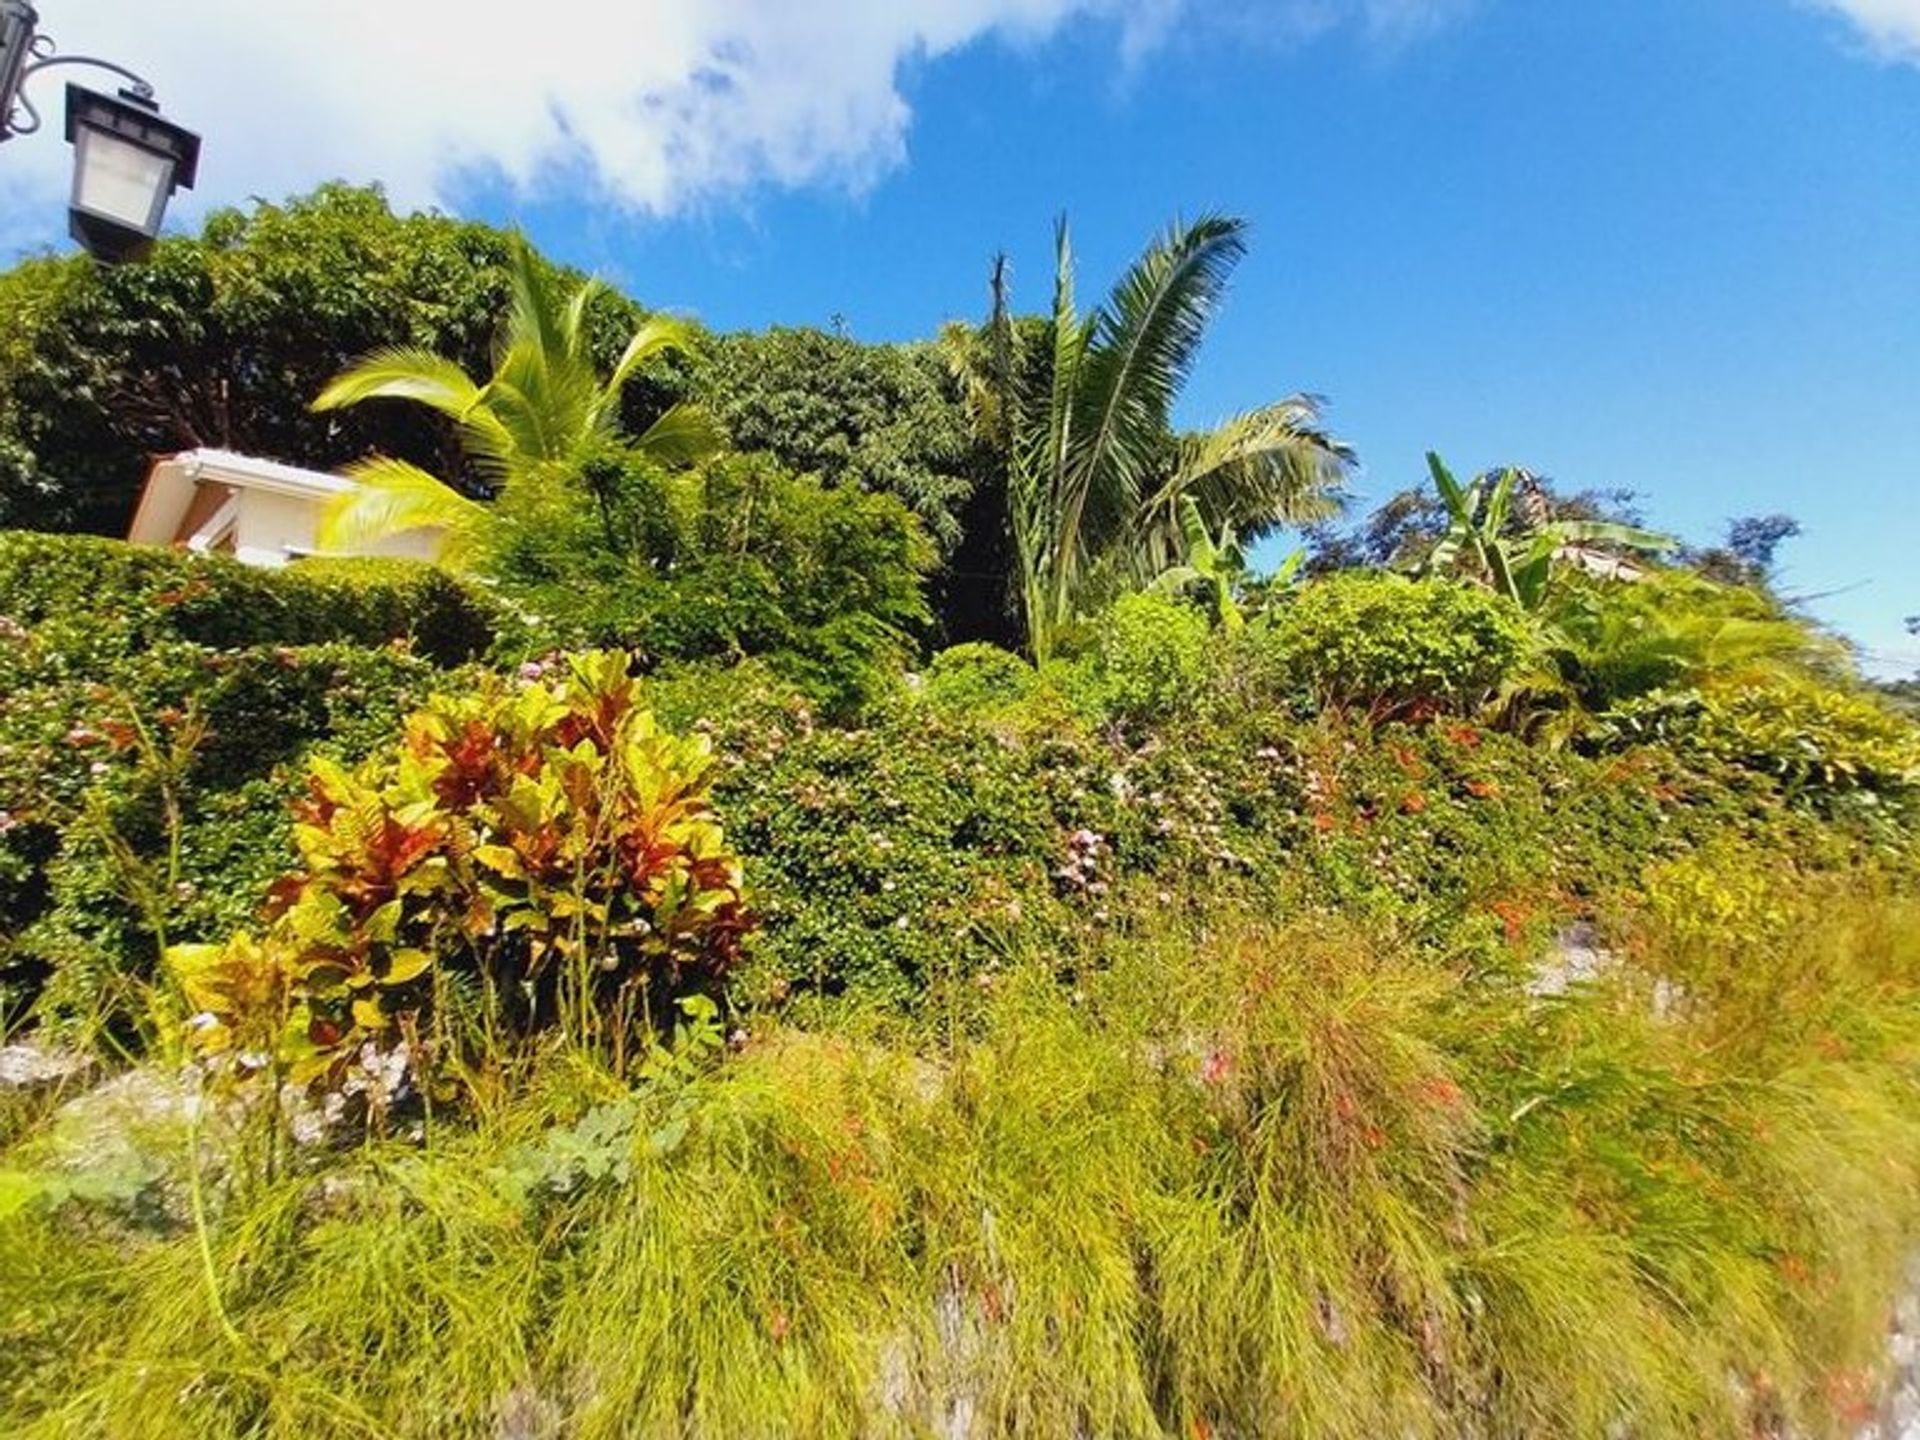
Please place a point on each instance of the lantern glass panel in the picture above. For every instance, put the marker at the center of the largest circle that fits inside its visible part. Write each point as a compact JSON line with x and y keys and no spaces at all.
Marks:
{"x":120,"y":181}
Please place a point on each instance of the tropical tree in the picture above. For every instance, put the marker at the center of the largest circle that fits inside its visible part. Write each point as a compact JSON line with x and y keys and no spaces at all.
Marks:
{"x":1078,"y":407}
{"x":1499,"y":531}
{"x":880,"y":418}
{"x":221,"y":339}
{"x":540,"y":422}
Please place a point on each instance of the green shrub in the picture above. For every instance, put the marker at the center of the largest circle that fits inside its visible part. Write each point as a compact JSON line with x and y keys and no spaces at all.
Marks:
{"x":735,"y":560}
{"x":87,"y":600}
{"x":151,"y":797}
{"x":1388,"y":645}
{"x":880,"y":418}
{"x":117,"y":657}
{"x":890,"y":861}
{"x":978,"y":679}
{"x":1613,"y":643}
{"x":1814,"y":738}
{"x":1152,"y":657}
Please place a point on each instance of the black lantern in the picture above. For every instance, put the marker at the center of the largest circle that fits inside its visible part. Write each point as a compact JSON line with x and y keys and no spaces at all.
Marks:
{"x":127,"y":162}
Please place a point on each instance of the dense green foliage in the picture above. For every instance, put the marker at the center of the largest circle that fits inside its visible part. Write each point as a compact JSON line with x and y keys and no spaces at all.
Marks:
{"x":222,"y":340}
{"x":1814,"y":738}
{"x":880,"y":418}
{"x":734,"y":559}
{"x":1153,"y":656}
{"x":90,"y":601}
{"x":1479,"y":1004}
{"x":1386,"y":645}
{"x":154,"y":708}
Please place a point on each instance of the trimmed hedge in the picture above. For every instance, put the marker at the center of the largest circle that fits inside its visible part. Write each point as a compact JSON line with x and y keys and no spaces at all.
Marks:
{"x":141,"y":678}
{"x":90,"y":598}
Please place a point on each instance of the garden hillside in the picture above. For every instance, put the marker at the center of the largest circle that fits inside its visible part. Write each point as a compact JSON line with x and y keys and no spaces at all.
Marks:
{"x":638,"y":976}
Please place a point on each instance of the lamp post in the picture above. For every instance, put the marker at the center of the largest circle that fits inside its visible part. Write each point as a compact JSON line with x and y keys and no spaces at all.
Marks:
{"x":127,"y":159}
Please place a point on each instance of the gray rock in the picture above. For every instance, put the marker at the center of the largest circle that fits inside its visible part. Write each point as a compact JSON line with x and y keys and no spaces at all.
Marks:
{"x":1575,"y":958}
{"x":29,"y":1067}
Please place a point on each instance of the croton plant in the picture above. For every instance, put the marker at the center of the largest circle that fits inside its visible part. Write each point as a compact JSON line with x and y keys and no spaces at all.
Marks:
{"x":541,"y":848}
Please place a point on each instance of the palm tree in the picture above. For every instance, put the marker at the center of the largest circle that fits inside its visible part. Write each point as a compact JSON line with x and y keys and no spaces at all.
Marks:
{"x":1077,"y":410}
{"x":534,"y":425}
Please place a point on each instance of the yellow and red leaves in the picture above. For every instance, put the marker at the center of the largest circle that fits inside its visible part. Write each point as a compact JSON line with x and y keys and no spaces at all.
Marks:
{"x":237,"y":991}
{"x":509,"y":827}
{"x":469,"y":765}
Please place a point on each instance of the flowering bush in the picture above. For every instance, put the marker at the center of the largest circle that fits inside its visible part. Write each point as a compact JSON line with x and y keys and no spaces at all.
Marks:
{"x":548,"y":843}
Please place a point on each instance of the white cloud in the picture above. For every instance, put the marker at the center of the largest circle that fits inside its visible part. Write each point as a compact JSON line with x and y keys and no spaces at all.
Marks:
{"x":1891,"y":27}
{"x":664,"y":103}
{"x":653,"y":105}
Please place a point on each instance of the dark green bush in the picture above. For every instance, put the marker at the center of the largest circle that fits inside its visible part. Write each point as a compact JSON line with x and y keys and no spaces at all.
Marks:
{"x":87,"y":600}
{"x":737,"y":559}
{"x":1389,"y":646}
{"x":156,"y":706}
{"x":114,"y":656}
{"x":880,"y":418}
{"x":148,"y":794}
{"x":889,"y":860}
{"x":223,"y":338}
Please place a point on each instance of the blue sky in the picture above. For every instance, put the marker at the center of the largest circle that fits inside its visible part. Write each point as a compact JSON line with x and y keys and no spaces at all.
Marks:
{"x":1665,"y":245}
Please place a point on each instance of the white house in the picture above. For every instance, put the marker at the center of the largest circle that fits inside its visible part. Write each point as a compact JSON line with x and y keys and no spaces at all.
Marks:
{"x":259,"y":511}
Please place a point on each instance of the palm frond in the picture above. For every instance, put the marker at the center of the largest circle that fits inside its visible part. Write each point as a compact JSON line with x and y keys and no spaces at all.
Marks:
{"x":658,"y":334}
{"x":1044,"y":528}
{"x":534,"y":319}
{"x":685,"y":435}
{"x":533,"y":413}
{"x":1260,"y":470}
{"x":1140,"y":354}
{"x":391,"y":497}
{"x":404,"y":372}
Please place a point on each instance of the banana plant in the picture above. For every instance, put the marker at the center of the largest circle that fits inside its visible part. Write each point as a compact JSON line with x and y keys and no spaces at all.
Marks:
{"x":1214,"y":564}
{"x":1482,"y":540}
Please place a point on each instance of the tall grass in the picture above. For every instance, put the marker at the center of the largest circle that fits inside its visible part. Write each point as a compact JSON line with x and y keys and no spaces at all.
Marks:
{"x":1250,"y":1178}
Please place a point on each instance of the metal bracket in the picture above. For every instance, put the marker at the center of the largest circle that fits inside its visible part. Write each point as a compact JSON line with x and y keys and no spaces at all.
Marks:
{"x":24,"y":53}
